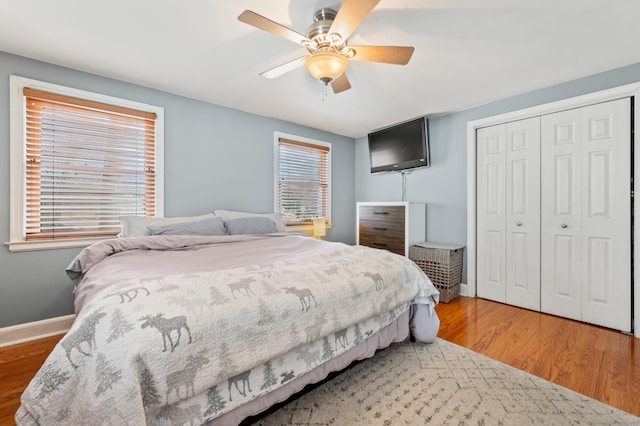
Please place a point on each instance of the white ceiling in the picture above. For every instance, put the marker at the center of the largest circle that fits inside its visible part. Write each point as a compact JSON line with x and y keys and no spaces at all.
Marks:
{"x":467,"y":52}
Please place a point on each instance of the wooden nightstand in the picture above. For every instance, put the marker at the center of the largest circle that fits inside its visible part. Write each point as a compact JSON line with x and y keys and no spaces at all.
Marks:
{"x":392,"y":226}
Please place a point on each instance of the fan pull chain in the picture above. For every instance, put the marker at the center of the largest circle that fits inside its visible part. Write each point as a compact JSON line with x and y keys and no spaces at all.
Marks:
{"x":324,"y":91}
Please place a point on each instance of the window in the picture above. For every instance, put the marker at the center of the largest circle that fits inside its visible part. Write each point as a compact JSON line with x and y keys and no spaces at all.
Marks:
{"x":79,"y":160}
{"x":303,"y":170}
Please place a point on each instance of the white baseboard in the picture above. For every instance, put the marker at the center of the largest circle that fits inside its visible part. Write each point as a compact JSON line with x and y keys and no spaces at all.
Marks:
{"x":464,"y":290}
{"x":35,"y":330}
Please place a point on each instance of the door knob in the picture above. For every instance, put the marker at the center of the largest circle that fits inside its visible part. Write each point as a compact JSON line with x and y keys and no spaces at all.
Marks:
{"x":564,"y":225}
{"x":519,"y":224}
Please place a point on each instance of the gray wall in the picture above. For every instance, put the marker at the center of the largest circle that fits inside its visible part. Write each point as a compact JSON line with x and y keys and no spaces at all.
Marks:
{"x":443,"y":186}
{"x":215,"y":157}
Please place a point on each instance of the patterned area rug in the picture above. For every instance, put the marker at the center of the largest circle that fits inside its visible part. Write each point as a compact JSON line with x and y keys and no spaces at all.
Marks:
{"x":442,"y":384}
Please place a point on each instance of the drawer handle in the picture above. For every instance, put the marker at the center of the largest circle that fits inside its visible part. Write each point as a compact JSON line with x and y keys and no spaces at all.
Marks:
{"x":380,"y":212}
{"x":379,"y":229}
{"x":380,"y":244}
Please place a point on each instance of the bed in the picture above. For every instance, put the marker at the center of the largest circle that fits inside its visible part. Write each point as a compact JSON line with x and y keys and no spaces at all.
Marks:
{"x":211,"y":329}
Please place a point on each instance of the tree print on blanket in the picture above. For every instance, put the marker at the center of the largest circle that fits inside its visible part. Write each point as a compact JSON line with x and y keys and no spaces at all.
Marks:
{"x":106,"y":375}
{"x":166,"y":326}
{"x":197,"y":306}
{"x":216,"y":402}
{"x":270,"y":378}
{"x":312,"y":332}
{"x":268,"y":289}
{"x":266,"y":315}
{"x":226,"y":362}
{"x":327,"y":349}
{"x":119,"y":326}
{"x":217,"y":298}
{"x":49,"y":379}
{"x":148,"y":386}
{"x":358,"y":338}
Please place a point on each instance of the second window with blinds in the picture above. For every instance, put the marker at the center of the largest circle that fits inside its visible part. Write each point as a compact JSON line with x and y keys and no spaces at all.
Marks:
{"x":302,"y":179}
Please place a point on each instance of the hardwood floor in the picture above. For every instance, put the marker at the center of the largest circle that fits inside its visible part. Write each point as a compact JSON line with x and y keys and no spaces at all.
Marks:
{"x":18,"y":365}
{"x":594,"y":361}
{"x":600,"y":363}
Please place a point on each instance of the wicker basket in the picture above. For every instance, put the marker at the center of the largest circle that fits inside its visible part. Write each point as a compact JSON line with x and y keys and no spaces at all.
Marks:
{"x":443,"y":265}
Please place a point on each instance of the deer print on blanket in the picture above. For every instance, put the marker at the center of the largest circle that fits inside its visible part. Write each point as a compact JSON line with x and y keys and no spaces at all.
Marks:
{"x":341,"y":338}
{"x":310,"y":358}
{"x":242,"y":378}
{"x":165,"y":326}
{"x":304,"y":295}
{"x":130,"y":294}
{"x":187,"y":376}
{"x":86,"y":333}
{"x":243,"y":287}
{"x":377,"y":280}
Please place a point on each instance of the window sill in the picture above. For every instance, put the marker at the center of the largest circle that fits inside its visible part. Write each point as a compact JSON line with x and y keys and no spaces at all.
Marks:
{"x":20,"y":246}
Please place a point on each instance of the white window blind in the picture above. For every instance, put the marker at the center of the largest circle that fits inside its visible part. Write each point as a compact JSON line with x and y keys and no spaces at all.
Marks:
{"x":86,"y":163}
{"x":303,"y":181}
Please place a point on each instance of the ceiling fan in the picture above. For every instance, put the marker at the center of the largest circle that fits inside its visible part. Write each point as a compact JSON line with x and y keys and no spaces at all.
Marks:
{"x":326,"y":42}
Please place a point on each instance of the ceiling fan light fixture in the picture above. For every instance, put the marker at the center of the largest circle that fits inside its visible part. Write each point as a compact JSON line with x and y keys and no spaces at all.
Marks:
{"x":326,"y":66}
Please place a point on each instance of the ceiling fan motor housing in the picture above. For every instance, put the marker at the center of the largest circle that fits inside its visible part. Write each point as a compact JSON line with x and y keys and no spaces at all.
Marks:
{"x":318,"y":31}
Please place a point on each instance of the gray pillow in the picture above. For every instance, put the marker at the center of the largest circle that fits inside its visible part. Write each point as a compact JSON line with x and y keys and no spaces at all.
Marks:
{"x":138,"y":226}
{"x":251,"y":225}
{"x":212,"y":226}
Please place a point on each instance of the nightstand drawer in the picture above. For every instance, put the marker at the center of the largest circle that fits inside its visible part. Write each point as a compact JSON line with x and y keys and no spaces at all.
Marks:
{"x":376,"y":241}
{"x":386,"y":213}
{"x":386,"y":228}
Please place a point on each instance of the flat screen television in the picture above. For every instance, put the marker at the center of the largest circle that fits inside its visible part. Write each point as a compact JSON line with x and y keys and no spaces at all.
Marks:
{"x":400,"y":147}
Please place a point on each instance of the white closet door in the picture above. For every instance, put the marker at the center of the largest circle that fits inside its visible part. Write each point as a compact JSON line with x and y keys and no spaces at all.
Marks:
{"x":561,"y":279}
{"x":606,"y":214}
{"x":491,"y":162}
{"x":523,"y":213}
{"x":585,"y":226}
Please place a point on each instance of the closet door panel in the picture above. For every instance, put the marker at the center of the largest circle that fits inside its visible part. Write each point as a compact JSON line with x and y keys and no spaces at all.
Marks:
{"x":606,"y":214}
{"x":586,"y":214}
{"x":491,"y":205}
{"x":561,"y":266}
{"x":523,"y":214}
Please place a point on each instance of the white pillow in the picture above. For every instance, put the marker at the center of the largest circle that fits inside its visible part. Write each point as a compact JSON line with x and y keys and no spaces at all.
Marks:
{"x":137,"y":226}
{"x":229,"y":214}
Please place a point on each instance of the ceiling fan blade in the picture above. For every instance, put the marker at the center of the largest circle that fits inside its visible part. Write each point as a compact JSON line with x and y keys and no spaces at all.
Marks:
{"x":265,"y":24}
{"x":350,"y":15}
{"x":284,"y":68}
{"x":340,"y":84}
{"x":399,"y":55}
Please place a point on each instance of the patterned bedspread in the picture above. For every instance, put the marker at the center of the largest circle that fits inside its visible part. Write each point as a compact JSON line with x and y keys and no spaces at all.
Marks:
{"x":177,"y":329}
